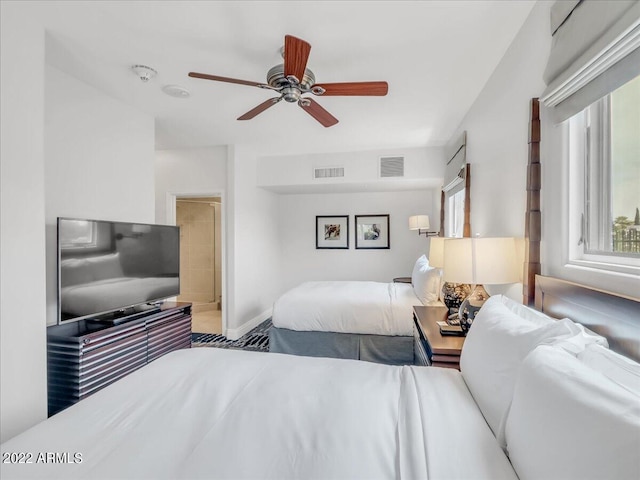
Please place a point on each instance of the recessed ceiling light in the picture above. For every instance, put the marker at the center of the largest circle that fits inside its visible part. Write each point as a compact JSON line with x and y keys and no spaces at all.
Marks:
{"x":176,"y":91}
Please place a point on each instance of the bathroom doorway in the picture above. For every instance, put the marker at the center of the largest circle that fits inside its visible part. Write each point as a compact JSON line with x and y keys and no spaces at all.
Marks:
{"x":199,"y":219}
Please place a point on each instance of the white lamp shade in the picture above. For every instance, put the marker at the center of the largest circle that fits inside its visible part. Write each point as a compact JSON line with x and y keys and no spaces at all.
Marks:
{"x":457,"y":261}
{"x":436,"y":252}
{"x":487,"y":261}
{"x":419,"y":222}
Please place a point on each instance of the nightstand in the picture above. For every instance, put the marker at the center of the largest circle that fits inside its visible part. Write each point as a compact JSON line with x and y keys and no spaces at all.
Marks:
{"x":430,"y":347}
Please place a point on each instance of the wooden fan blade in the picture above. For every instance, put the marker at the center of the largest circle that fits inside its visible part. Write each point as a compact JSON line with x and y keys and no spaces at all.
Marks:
{"x":316,"y":111}
{"x":224,"y":79}
{"x":260,"y":108}
{"x":296,"y":54}
{"x":352,"y":88}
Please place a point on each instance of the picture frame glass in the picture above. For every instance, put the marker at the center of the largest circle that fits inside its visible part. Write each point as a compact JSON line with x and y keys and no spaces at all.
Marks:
{"x":332,"y":231}
{"x":372,"y":231}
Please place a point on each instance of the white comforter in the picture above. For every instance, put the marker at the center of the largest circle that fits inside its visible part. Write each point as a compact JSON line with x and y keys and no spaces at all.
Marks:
{"x":348,"y":307}
{"x":211,"y":413}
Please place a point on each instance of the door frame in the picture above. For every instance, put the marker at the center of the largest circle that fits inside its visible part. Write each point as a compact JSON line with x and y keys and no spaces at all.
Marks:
{"x":170,"y":217}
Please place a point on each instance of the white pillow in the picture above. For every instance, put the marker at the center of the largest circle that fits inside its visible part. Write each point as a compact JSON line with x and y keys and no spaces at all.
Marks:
{"x":421,"y":262}
{"x":495,"y":346}
{"x":525,"y":312}
{"x":583,"y":336}
{"x":426,"y":284}
{"x":621,"y":370}
{"x":569,"y":422}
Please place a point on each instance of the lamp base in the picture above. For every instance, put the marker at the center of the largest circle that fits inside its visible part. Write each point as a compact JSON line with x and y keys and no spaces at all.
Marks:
{"x":453,"y":294}
{"x":471,"y":306}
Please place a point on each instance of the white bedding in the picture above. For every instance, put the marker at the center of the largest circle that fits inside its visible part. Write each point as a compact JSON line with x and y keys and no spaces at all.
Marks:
{"x":212,"y":413}
{"x":348,"y":307}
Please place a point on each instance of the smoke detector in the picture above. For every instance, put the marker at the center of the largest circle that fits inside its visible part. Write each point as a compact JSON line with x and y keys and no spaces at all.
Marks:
{"x":177,"y":91}
{"x":144,"y":73}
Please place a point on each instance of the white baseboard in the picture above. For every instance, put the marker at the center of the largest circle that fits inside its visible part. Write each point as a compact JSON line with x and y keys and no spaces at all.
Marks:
{"x":246,"y":327}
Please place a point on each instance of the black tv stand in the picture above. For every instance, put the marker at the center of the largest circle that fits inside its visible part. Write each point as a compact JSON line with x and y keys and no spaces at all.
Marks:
{"x":88,"y":355}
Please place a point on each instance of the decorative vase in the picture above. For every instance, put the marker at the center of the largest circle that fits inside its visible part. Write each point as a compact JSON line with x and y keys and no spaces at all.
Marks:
{"x":471,"y":306}
{"x":453,"y":294}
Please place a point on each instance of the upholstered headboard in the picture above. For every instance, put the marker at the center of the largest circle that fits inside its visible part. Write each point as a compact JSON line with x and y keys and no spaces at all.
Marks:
{"x":614,"y":317}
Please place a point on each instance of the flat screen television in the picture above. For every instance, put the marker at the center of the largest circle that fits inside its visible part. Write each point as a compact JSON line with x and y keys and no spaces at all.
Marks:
{"x":111,"y":270}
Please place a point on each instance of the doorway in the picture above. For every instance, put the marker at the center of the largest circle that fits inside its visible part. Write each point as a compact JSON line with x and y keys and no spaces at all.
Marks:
{"x":199,"y":219}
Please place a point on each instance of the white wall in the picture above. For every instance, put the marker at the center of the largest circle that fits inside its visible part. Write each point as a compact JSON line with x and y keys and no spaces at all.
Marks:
{"x":497,"y":131}
{"x":497,"y":126}
{"x":23,"y":373}
{"x":423,"y":167}
{"x":188,"y":172}
{"x":302,"y":262}
{"x":99,"y":161}
{"x":253,"y":245}
{"x":195,"y":172}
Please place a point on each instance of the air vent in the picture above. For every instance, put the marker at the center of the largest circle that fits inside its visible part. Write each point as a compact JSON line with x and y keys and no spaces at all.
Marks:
{"x":328,"y":172}
{"x":391,"y":167}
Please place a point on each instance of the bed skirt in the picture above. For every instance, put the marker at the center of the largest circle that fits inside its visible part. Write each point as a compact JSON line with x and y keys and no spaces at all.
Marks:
{"x":390,"y":350}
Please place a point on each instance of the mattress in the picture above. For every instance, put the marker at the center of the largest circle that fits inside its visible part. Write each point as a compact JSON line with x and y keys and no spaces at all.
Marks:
{"x":214,"y":413}
{"x":348,"y":307}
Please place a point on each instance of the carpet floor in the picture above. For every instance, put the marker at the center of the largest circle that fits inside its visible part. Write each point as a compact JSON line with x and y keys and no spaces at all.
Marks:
{"x":257,"y":340}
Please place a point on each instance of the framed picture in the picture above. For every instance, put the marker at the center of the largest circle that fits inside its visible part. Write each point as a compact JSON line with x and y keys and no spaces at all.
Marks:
{"x":332,"y":231}
{"x":372,"y":231}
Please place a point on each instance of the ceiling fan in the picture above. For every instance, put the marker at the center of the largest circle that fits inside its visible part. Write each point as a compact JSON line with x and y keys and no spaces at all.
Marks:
{"x":293,"y":79}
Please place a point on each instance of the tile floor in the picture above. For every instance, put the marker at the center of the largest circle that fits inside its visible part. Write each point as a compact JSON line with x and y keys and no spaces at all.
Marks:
{"x":206,"y":321}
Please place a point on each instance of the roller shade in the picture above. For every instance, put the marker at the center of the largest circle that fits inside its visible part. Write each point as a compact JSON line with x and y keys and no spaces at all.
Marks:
{"x":560,"y":11}
{"x":595,"y":50}
{"x":454,"y":173}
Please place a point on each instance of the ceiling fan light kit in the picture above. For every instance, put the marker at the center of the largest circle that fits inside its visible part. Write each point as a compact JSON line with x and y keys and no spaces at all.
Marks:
{"x":293,"y":79}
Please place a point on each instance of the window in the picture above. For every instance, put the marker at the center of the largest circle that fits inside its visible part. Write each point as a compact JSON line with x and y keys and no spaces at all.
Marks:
{"x":605,"y":179}
{"x":78,"y":234}
{"x":456,"y":216}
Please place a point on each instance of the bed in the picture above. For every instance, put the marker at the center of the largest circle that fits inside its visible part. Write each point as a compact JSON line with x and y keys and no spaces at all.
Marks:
{"x":370,"y":321}
{"x":213,"y":413}
{"x":259,"y":415}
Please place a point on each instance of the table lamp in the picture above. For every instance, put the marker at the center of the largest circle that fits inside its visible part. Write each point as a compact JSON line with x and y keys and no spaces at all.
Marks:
{"x":421,"y":224}
{"x":452,"y":294}
{"x":479,"y":261}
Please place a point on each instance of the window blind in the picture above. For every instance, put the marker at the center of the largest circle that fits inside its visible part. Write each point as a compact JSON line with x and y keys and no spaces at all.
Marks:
{"x":456,"y":165}
{"x":594,"y":50}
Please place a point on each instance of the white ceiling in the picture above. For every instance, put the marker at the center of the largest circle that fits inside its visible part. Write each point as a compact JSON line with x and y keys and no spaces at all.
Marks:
{"x":436,"y":56}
